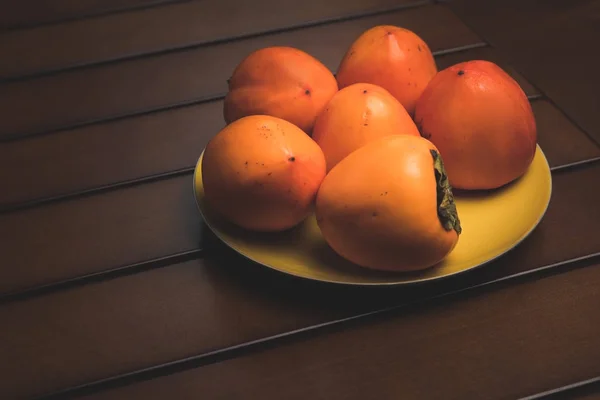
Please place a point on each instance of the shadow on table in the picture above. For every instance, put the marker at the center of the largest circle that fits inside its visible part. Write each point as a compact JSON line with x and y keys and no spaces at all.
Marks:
{"x":253,"y":280}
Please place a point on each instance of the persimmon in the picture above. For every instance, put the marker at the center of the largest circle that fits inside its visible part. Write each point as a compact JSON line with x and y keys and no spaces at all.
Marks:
{"x":392,"y":57}
{"x":262,"y":173}
{"x":356,"y":115}
{"x":389,"y":206}
{"x":284,"y":82}
{"x":481,"y":121}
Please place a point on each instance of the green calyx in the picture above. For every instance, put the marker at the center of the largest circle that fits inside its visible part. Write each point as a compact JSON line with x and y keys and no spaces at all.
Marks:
{"x":446,"y":207}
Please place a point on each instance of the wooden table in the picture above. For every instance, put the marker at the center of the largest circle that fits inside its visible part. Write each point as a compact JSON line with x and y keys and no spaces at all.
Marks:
{"x":112,"y":289}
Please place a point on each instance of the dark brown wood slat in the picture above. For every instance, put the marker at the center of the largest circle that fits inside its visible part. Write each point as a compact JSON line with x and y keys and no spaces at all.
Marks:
{"x":100,"y":155}
{"x":490,"y":54}
{"x":499,"y":343}
{"x":96,"y":233}
{"x":591,"y":392}
{"x":82,"y":96}
{"x":586,"y":395}
{"x":189,"y":309}
{"x":551,"y":45}
{"x":562,"y":142}
{"x":173,"y":140}
{"x":165,"y":206}
{"x":587,"y":389}
{"x":160,"y":28}
{"x":22,"y":14}
{"x":191,"y":303}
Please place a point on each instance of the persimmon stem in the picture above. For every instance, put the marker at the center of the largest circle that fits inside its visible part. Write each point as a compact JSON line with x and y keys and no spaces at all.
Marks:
{"x":446,"y":207}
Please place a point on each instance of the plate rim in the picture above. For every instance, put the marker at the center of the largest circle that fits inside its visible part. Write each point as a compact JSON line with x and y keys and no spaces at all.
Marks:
{"x":377,"y":284}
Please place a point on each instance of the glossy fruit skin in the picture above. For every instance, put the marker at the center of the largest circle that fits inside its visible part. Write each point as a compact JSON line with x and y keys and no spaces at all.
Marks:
{"x":378,"y":207}
{"x":262,"y":173}
{"x":482,"y":122}
{"x":280,"y":81}
{"x":394,"y":58}
{"x":356,"y":115}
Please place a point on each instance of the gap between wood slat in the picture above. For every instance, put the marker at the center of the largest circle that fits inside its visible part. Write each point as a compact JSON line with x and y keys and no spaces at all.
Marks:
{"x":180,"y":257}
{"x":172,"y":106}
{"x":88,"y":15}
{"x":559,"y":168}
{"x":262,"y":343}
{"x":96,"y":190}
{"x":542,"y":92}
{"x":561,"y":392}
{"x":268,"y":342}
{"x":226,"y":39}
{"x":571,"y":120}
{"x":8,"y":208}
{"x":113,"y":273}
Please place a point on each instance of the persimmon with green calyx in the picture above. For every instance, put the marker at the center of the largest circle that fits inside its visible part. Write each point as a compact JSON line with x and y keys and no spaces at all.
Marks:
{"x":389,"y":206}
{"x":481,"y":121}
{"x":284,"y":82}
{"x":262,"y":173}
{"x":356,"y":115}
{"x":392,"y":57}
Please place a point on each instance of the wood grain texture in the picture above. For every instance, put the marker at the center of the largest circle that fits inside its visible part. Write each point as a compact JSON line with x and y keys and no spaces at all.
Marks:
{"x":99,"y":330}
{"x":501,"y":341}
{"x":160,"y":28}
{"x":99,"y":155}
{"x":81,"y":96}
{"x":136,"y":224}
{"x":498,"y":344}
{"x":121,"y":325}
{"x":24,"y":14}
{"x":73,"y":238}
{"x":562,"y":142}
{"x":551,"y":44}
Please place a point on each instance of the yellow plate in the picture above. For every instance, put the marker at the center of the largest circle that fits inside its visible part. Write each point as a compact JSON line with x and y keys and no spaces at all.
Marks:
{"x":493,"y":223}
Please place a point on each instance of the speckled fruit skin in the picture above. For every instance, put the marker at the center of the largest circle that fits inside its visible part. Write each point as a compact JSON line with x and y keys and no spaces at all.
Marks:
{"x":482,"y":122}
{"x":280,"y":81}
{"x":262,"y":173}
{"x":394,"y":58}
{"x":356,"y":115}
{"x":378,"y":207}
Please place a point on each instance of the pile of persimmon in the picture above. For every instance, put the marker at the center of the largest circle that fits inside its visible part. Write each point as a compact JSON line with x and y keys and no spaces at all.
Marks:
{"x":374,"y":151}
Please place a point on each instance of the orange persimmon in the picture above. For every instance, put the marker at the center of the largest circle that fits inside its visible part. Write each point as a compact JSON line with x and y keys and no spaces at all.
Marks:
{"x":481,"y":121}
{"x":262,"y":173}
{"x":280,"y":81}
{"x":394,"y":58}
{"x":356,"y":115}
{"x":389,"y":206}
